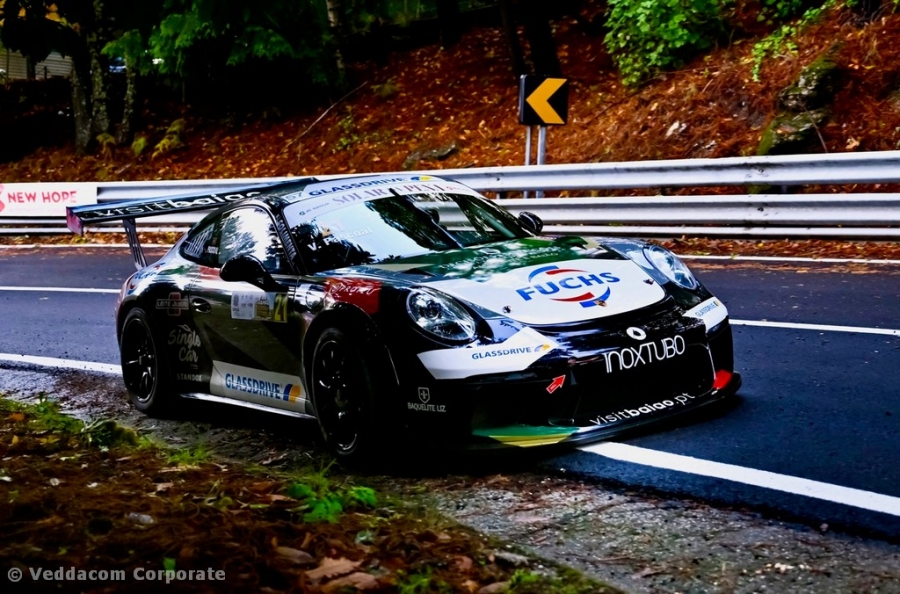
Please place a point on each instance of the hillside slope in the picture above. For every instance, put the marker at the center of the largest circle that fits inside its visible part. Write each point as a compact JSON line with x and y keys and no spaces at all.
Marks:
{"x":466,"y":98}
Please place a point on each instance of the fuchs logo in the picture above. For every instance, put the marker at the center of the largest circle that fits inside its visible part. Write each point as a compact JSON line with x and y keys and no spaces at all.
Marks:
{"x":560,"y":283}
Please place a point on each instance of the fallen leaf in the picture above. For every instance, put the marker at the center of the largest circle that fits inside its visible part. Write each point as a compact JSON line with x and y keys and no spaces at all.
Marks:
{"x":358,"y":580}
{"x":463,"y":564}
{"x":330,"y":568}
{"x":295,"y":555}
{"x":16,"y":417}
{"x":162,"y":487}
{"x":495,"y":588}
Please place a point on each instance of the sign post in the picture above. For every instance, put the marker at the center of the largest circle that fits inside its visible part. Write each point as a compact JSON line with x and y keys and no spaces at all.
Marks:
{"x":543,"y":101}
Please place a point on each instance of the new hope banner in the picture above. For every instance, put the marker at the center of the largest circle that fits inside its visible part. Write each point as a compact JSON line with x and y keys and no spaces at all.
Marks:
{"x":44,"y":200}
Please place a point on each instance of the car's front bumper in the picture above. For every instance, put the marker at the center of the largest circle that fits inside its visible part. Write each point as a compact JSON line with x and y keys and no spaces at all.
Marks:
{"x":580,"y":393}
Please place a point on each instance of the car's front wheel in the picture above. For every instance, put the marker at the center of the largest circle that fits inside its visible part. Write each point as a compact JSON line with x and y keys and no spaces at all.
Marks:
{"x":144,"y":368}
{"x":343,"y":390}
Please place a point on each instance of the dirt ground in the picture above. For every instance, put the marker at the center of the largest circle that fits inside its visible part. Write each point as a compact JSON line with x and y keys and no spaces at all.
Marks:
{"x":635,"y":541}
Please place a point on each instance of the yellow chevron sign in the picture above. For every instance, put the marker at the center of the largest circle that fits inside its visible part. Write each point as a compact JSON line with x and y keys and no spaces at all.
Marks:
{"x":543,"y":101}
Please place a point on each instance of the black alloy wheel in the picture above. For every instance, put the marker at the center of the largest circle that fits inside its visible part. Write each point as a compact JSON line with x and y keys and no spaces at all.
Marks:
{"x":144,"y":369}
{"x":342,"y":394}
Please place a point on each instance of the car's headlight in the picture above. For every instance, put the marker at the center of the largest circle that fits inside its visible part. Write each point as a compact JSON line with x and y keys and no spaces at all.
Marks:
{"x":440,"y":316}
{"x":670,"y":265}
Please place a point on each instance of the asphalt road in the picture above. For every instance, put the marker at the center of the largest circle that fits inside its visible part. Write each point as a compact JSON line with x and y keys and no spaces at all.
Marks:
{"x":817,"y":404}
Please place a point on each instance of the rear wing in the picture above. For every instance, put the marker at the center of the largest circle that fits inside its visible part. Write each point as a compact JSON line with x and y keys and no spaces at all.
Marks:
{"x":78,"y":217}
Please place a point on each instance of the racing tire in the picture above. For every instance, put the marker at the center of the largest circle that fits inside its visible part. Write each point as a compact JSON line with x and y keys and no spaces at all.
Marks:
{"x":343,"y":390}
{"x":144,"y":368}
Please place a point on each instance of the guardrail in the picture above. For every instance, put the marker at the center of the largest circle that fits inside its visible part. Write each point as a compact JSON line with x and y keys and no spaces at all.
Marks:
{"x":872,"y":216}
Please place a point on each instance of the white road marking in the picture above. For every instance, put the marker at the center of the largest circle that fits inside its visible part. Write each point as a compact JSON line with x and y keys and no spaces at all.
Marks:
{"x":30,"y":246}
{"x":627,"y":453}
{"x":748,"y":476}
{"x":790,"y":259}
{"x":59,"y":289}
{"x":62,"y":363}
{"x":820,"y":327}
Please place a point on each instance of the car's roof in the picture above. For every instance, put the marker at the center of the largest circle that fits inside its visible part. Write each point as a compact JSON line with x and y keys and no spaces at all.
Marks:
{"x":315,"y":187}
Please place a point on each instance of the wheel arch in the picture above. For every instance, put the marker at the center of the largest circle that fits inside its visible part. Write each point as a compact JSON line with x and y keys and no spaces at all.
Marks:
{"x":353,"y":321}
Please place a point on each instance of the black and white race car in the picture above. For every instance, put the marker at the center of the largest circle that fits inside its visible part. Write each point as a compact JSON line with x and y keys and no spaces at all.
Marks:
{"x":405,"y":305}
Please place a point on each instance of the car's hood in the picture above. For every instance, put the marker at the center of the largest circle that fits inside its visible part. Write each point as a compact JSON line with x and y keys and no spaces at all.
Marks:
{"x":536,"y":281}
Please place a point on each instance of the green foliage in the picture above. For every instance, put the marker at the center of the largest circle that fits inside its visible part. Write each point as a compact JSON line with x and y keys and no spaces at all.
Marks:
{"x":197,"y":38}
{"x":106,"y":142}
{"x":781,"y":40}
{"x":322,"y":502}
{"x":172,"y":140}
{"x":780,"y":9}
{"x":420,"y":582}
{"x":349,"y":136}
{"x":646,"y":36}
{"x":139,"y":145}
{"x":389,"y":88}
{"x":46,"y":415}
{"x":106,"y":433}
{"x":188,"y":456}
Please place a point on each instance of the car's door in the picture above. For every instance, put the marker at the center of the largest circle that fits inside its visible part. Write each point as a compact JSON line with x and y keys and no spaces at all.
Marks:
{"x":251,"y":335}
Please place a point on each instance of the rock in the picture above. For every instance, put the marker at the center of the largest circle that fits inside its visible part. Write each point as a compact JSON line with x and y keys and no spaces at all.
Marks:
{"x":805,"y":107}
{"x":791,"y":133}
{"x":430,"y":154}
{"x":814,"y":87}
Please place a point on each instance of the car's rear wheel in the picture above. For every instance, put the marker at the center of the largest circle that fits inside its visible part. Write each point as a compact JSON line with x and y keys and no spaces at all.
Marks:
{"x":144,"y":368}
{"x":343,"y":391}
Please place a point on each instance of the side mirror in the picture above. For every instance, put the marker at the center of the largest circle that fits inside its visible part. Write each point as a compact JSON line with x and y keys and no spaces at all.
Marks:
{"x":531,"y":221}
{"x":248,"y":269}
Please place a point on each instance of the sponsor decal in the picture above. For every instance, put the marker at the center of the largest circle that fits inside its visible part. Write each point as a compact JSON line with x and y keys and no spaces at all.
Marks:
{"x":326,"y":188}
{"x":419,"y":407}
{"x":508,"y":352}
{"x":186,"y":340}
{"x":630,"y":357}
{"x":711,"y":311}
{"x":514,"y":354}
{"x":189,"y":377}
{"x":140,"y":275}
{"x":423,"y":406}
{"x":247,"y":383}
{"x":556,"y":384}
{"x":175,"y":304}
{"x":645,"y":409}
{"x":636,"y":333}
{"x":360,"y":292}
{"x":162,"y":206}
{"x":569,"y":285}
{"x":45,"y":199}
{"x":266,"y":307}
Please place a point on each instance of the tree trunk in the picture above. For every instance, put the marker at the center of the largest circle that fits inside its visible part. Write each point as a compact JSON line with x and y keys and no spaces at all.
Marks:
{"x":333,"y":8}
{"x":99,"y":99}
{"x":512,"y":39}
{"x":81,"y":108}
{"x":540,"y":38}
{"x":449,"y":22}
{"x":125,"y":130}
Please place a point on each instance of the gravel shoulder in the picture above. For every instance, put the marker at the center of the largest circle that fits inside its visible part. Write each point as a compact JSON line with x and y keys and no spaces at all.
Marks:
{"x":636,"y":541}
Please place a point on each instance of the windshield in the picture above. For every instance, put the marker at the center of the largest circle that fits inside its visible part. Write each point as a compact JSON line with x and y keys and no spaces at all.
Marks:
{"x":330,"y":236}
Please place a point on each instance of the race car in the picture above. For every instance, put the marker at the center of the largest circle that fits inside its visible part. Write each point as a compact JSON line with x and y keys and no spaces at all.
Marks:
{"x":395,"y":307}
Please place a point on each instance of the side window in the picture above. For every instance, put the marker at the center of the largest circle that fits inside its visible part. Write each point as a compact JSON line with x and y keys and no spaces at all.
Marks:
{"x":251,"y":231}
{"x":201,"y":246}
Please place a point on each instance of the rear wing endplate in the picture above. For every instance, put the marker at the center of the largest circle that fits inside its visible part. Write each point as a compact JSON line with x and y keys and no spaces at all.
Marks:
{"x":79,"y":217}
